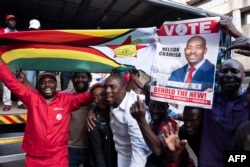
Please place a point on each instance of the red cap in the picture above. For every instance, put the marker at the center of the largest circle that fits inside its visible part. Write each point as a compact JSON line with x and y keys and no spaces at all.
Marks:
{"x":46,"y":74}
{"x":10,"y":16}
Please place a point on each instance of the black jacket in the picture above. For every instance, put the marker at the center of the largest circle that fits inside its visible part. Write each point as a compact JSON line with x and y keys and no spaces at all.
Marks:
{"x":101,"y":142}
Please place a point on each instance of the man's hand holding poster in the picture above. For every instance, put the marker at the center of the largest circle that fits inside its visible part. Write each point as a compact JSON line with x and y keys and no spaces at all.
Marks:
{"x":184,"y":66}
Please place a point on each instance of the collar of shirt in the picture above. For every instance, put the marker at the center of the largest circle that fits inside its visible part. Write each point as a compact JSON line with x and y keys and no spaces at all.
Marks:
{"x":7,"y":29}
{"x":123,"y":103}
{"x":197,"y":66}
{"x":220,"y":93}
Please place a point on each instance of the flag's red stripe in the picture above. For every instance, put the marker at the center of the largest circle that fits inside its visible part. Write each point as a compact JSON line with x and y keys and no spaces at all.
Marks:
{"x":54,"y":36}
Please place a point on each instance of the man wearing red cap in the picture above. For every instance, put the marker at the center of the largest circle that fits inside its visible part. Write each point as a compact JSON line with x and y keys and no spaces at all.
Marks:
{"x":10,"y":21}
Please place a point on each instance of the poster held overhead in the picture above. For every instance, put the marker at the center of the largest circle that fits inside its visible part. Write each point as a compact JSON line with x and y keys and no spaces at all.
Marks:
{"x":184,"y":65}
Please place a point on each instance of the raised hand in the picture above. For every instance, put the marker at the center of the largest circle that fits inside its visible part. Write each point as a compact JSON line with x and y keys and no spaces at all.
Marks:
{"x":173,"y":145}
{"x":138,"y":110}
{"x":241,"y":46}
{"x":21,"y":75}
{"x":171,"y":139}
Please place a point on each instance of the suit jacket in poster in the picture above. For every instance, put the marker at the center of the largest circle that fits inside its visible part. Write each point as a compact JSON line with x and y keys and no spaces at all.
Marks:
{"x":204,"y":75}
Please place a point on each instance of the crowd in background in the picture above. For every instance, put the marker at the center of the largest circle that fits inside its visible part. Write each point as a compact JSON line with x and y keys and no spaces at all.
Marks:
{"x":115,"y":123}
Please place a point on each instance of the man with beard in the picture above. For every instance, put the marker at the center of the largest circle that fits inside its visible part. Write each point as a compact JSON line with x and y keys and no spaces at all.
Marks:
{"x":78,"y":139}
{"x":230,"y":108}
{"x":129,"y":143}
{"x":198,"y":70}
{"x":46,"y":133}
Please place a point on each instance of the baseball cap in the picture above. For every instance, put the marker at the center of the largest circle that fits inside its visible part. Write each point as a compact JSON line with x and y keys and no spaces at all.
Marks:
{"x":35,"y":24}
{"x":46,"y":74}
{"x":10,"y":16}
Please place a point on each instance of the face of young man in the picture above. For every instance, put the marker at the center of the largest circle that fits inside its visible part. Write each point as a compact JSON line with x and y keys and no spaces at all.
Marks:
{"x":158,"y":110}
{"x":115,"y":90}
{"x":192,"y":119}
{"x":47,"y":87}
{"x":81,"y":81}
{"x":11,"y":23}
{"x":98,"y":95}
{"x":195,"y":50}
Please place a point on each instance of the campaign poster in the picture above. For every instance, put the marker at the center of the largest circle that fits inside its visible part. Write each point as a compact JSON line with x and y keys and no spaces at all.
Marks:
{"x":184,"y":65}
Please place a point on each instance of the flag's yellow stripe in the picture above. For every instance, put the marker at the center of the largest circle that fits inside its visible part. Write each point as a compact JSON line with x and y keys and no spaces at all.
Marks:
{"x":54,"y":53}
{"x":98,"y":33}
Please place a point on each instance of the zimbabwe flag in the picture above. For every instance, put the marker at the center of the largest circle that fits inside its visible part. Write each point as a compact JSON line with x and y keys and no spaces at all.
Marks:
{"x":80,"y":50}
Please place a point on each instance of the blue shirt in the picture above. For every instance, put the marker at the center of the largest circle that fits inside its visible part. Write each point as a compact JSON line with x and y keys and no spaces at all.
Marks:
{"x":219,"y":127}
{"x":174,"y":112}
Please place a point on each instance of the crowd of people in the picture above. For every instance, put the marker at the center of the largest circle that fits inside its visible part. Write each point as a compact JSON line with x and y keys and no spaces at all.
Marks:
{"x":111,"y":124}
{"x":65,"y":76}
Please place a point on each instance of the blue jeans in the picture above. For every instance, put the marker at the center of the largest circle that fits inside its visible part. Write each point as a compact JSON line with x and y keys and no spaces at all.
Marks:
{"x":78,"y":156}
{"x":65,"y":77}
{"x":30,"y":75}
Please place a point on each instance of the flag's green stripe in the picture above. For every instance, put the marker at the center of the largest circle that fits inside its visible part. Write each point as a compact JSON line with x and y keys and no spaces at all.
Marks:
{"x":63,"y":65}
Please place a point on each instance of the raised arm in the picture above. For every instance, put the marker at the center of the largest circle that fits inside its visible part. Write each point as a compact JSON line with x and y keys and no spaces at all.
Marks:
{"x":166,"y":143}
{"x":138,"y":111}
{"x":241,"y":44}
{"x":228,"y":27}
{"x":22,"y":77}
{"x":140,"y":149}
{"x":134,"y":81}
{"x":14,"y":84}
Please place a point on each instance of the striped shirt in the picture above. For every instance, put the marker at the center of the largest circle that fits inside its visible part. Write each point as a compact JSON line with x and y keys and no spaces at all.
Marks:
{"x":219,"y":128}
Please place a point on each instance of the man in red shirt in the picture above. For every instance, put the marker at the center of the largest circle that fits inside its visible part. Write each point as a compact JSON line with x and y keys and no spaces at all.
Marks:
{"x":46,"y":133}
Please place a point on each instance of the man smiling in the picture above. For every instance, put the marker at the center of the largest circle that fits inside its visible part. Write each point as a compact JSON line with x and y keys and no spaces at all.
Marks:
{"x":129,"y":142}
{"x":47,"y":85}
{"x":46,"y":133}
{"x":198,"y":70}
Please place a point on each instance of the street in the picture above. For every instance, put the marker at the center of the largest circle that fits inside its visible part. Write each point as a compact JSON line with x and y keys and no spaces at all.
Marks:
{"x":10,"y":145}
